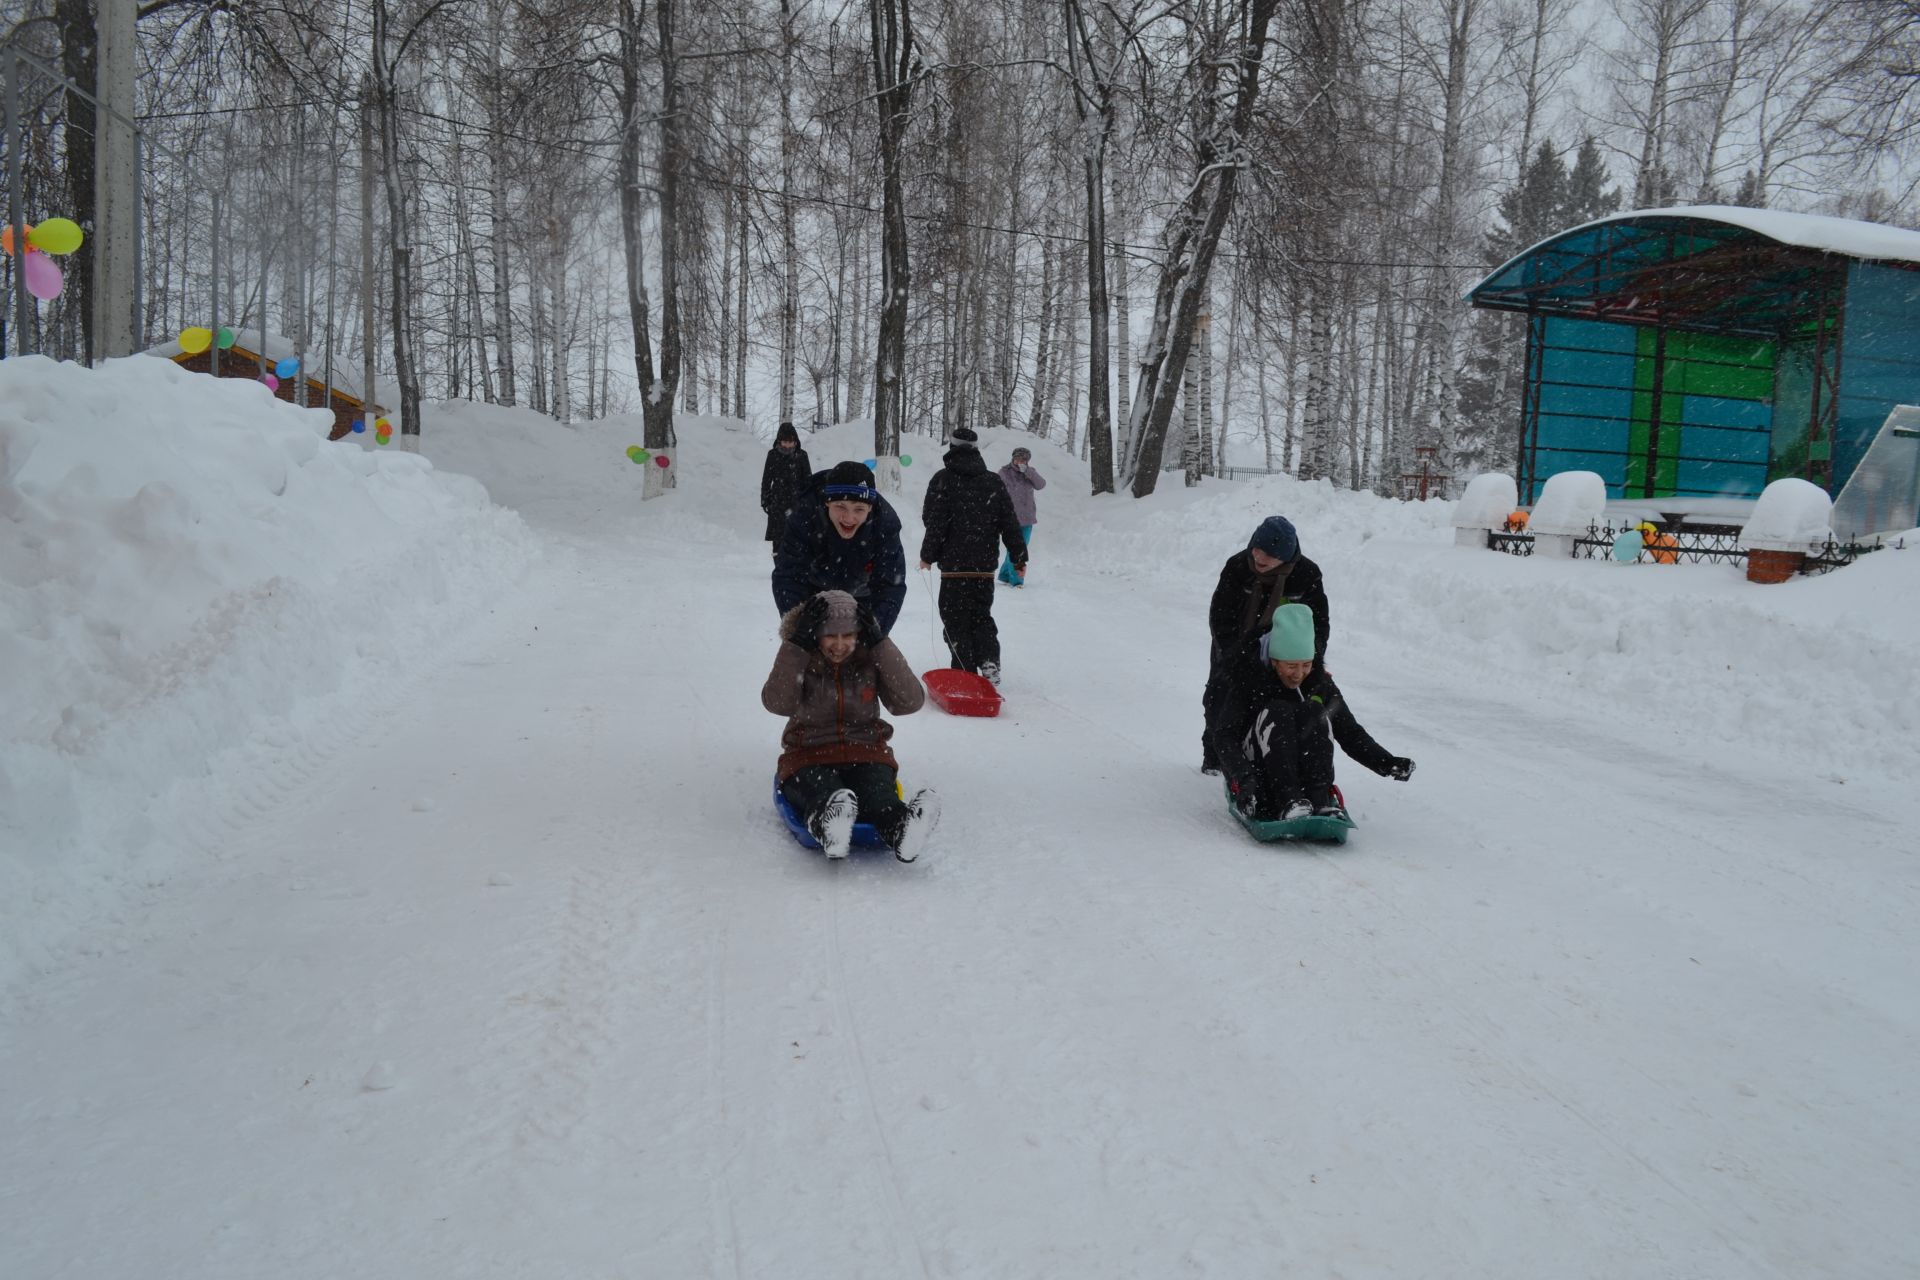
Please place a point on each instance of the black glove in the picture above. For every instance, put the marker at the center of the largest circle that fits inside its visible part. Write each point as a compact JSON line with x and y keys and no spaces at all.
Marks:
{"x":806,"y":627}
{"x":1400,"y":769}
{"x":870,"y":632}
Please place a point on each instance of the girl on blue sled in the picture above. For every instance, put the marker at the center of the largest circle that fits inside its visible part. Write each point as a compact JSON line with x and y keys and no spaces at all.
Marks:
{"x":1270,"y":730}
{"x":834,"y":671}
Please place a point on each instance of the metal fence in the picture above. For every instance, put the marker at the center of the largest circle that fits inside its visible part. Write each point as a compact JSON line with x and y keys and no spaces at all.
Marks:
{"x":1688,"y":544}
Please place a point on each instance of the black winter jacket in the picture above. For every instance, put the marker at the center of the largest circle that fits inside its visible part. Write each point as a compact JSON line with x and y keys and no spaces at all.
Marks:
{"x":968,"y":516}
{"x":1233,"y":597}
{"x":811,"y":557}
{"x":787,"y":477}
{"x":1254,"y":685}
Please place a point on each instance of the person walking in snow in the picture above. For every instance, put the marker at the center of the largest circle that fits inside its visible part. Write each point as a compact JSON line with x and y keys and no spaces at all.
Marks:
{"x":842,"y":536}
{"x":1253,"y":584}
{"x":1022,"y":483}
{"x":1274,"y":727}
{"x":834,"y":671}
{"x":784,"y":481}
{"x":966,"y":512}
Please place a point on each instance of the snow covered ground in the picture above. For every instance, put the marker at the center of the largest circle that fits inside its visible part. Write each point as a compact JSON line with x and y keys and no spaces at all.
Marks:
{"x":389,"y":889}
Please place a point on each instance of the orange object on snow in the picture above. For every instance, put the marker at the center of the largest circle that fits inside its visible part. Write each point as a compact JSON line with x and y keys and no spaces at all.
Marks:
{"x":1517,"y":522}
{"x":1663,"y":547}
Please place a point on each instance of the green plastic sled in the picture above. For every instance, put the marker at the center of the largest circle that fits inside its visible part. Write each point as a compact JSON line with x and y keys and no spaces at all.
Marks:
{"x":1326,"y":827}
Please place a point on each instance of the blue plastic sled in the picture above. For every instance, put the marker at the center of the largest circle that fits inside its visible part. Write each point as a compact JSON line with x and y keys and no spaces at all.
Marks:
{"x":1324,"y":828}
{"x":865,"y":835}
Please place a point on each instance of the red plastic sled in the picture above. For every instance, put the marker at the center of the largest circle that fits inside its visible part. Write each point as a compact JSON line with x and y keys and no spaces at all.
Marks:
{"x":962,"y":693}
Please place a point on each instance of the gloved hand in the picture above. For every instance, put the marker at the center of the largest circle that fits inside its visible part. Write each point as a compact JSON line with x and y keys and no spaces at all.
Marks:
{"x":870,"y":632}
{"x":1401,"y":769}
{"x":806,"y":627}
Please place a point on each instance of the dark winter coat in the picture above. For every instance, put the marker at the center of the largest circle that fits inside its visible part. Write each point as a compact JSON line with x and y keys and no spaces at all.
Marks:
{"x":1253,"y":685}
{"x":1021,"y":486}
{"x":833,"y":711}
{"x":969,"y":516}
{"x":785,"y":481}
{"x":811,"y":556}
{"x":1243,"y":601}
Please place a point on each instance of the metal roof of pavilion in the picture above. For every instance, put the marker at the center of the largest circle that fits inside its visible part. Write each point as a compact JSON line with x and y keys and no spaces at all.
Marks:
{"x":1708,"y":268}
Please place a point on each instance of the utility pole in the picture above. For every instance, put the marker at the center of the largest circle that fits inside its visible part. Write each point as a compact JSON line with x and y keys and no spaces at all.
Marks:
{"x":116,"y":237}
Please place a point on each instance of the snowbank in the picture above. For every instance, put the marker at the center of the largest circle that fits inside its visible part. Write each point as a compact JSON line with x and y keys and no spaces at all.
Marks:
{"x":190,"y":574}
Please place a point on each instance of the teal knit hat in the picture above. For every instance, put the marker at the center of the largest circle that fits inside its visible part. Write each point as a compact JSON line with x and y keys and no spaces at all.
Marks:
{"x":1291,"y":639}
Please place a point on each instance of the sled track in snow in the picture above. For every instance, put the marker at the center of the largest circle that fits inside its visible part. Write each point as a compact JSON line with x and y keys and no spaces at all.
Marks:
{"x":896,"y":1206}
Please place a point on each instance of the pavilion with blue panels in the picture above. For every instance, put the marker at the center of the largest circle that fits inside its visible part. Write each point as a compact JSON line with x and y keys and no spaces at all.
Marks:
{"x":1702,"y":352}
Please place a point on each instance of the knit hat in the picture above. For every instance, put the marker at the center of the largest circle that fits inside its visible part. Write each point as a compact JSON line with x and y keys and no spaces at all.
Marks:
{"x":850,"y":482}
{"x":1291,"y":639}
{"x":843,"y":614}
{"x":786,"y":432}
{"x":964,"y":438}
{"x":1276,"y":537}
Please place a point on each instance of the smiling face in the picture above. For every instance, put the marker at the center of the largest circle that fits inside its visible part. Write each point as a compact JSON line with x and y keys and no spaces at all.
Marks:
{"x":1292,"y":674}
{"x":1263,"y":564}
{"x":837,"y":649}
{"x":847,"y":516}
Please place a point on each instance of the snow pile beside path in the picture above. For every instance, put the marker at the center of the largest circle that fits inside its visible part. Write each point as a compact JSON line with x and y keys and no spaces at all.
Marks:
{"x":188,"y":569}
{"x":1694,"y":659}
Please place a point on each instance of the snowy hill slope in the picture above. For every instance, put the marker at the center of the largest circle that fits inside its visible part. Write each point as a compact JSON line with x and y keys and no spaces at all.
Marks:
{"x":509,"y":969}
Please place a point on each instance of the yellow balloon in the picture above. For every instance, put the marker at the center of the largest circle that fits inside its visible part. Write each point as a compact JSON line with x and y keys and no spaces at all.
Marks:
{"x":195,"y":340}
{"x":56,"y":235}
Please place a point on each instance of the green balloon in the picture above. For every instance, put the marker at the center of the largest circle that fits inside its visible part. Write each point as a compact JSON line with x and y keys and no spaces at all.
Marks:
{"x":906,"y":460}
{"x":225,"y":340}
{"x":633,"y":453}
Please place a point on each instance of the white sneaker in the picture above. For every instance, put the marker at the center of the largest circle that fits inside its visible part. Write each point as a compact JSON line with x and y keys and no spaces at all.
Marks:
{"x":991,"y":670}
{"x":923,"y":815}
{"x":1297,"y":809}
{"x":833,"y":825}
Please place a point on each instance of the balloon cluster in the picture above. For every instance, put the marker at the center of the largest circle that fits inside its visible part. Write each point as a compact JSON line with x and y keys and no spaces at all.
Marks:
{"x":37,"y":270}
{"x":382,"y":430}
{"x":198,"y":338}
{"x":640,"y":457}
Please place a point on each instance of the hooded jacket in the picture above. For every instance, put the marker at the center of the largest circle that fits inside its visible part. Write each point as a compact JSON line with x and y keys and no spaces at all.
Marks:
{"x":1021,"y":486}
{"x":968,"y":516}
{"x":833,"y":711}
{"x":785,"y":481}
{"x":1255,"y":685}
{"x":871,"y":566}
{"x":1243,"y":601}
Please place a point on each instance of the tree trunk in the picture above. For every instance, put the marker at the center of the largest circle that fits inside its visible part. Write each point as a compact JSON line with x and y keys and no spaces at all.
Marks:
{"x":894,"y":57}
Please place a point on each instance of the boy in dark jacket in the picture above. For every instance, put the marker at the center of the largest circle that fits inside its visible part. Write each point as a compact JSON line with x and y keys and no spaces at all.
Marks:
{"x":843,"y":536}
{"x":968,"y":516}
{"x":784,"y":481}
{"x":833,"y":672}
{"x":1253,"y":584}
{"x":1270,"y":729}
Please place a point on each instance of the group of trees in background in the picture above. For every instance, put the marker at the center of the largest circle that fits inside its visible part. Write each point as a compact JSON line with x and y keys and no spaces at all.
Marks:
{"x":1210,"y":231}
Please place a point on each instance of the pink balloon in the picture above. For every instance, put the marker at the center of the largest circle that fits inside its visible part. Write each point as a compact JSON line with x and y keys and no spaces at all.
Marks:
{"x":660,"y":460}
{"x":273,"y":383}
{"x":43,"y":277}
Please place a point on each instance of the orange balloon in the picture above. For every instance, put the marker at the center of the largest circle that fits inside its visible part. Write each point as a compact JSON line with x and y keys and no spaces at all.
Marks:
{"x":6,"y":237}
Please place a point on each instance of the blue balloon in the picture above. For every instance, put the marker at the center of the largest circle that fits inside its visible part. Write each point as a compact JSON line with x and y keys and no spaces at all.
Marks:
{"x":288,"y":367}
{"x":359,"y":424}
{"x":871,"y":464}
{"x":1626,"y":547}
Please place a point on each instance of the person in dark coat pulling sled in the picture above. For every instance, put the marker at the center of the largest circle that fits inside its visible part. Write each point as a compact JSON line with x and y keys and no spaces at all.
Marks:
{"x":968,"y":517}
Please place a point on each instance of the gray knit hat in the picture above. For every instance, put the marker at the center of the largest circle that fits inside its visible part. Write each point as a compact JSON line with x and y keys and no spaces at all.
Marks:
{"x":843,"y":614}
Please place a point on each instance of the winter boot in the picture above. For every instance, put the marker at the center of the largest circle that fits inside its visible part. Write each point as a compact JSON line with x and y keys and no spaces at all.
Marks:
{"x":1295,"y":809}
{"x":832,"y":823}
{"x":1325,"y":806}
{"x":923,"y":815}
{"x":991,"y":670}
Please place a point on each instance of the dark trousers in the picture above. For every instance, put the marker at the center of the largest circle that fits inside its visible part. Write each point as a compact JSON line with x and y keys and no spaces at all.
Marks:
{"x":966,"y":613}
{"x":875,"y":792}
{"x":1286,"y":754}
